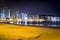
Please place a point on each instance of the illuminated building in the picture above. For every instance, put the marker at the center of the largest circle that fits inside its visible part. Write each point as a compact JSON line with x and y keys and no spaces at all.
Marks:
{"x":25,"y":18}
{"x":17,"y":16}
{"x":5,"y":15}
{"x":2,"y":14}
{"x":53,"y":20}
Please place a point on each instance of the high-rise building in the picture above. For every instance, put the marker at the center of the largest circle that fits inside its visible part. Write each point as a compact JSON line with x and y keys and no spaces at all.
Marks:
{"x":2,"y":14}
{"x":5,"y":14}
{"x":8,"y":13}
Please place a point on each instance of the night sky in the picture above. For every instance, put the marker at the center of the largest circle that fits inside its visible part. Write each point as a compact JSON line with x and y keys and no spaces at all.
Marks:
{"x":33,"y":6}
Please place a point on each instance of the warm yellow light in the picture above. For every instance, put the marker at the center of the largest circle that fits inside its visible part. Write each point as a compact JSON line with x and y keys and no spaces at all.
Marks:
{"x":41,"y":20}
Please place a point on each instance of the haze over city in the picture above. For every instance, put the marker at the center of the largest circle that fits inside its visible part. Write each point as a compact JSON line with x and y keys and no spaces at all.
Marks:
{"x":33,"y":6}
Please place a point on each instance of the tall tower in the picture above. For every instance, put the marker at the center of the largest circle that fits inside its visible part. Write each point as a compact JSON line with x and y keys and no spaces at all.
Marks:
{"x":2,"y":14}
{"x":7,"y":14}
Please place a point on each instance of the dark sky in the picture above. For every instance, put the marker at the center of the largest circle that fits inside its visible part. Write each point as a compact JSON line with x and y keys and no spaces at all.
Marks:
{"x":33,"y":6}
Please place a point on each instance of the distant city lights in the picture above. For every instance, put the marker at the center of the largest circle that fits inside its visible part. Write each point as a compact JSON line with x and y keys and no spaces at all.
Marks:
{"x":25,"y":18}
